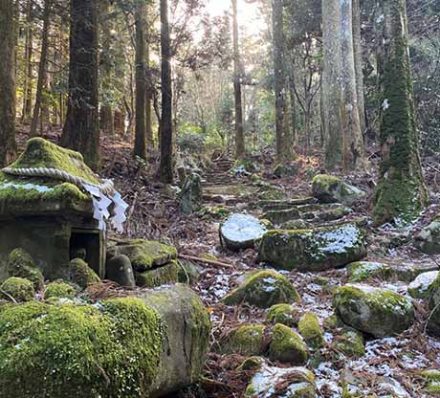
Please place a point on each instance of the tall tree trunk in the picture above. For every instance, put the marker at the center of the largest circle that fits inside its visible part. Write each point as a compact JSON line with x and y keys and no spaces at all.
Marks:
{"x":358,"y":63}
{"x":166,"y":168}
{"x":27,"y":89}
{"x":342,"y":128}
{"x":81,"y":130}
{"x":400,"y":194}
{"x":7,"y":81}
{"x":149,"y":85}
{"x":41,"y":67}
{"x":239,"y":130}
{"x":140,"y":143}
{"x":279,"y":75}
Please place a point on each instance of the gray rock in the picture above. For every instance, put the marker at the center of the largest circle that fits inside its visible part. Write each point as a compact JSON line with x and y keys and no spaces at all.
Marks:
{"x":331,"y":189}
{"x":376,"y":311}
{"x":422,"y":286}
{"x":241,"y":231}
{"x":313,"y":249}
{"x":191,"y":195}
{"x":120,"y":270}
{"x":428,"y":239}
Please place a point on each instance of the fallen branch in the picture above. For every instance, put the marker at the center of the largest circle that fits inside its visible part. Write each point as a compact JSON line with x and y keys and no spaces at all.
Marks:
{"x":205,"y":261}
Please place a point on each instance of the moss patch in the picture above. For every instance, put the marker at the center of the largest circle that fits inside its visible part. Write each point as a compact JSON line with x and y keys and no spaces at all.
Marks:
{"x":81,"y":274}
{"x":263,"y":289}
{"x":285,"y":314}
{"x":167,"y":274}
{"x":244,"y":340}
{"x":349,"y":342}
{"x":21,"y":264}
{"x":311,"y":331}
{"x":287,"y":346}
{"x":59,"y":289}
{"x":19,"y":289}
{"x":110,"y":350}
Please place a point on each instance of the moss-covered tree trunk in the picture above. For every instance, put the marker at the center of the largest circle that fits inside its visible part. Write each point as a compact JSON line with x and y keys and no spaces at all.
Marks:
{"x":166,"y":167}
{"x":239,"y":129}
{"x":400,"y":194}
{"x":342,"y":126}
{"x":81,"y":129}
{"x":7,"y":81}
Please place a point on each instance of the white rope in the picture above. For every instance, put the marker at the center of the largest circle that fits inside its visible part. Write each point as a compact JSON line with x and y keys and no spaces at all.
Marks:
{"x":106,"y":187}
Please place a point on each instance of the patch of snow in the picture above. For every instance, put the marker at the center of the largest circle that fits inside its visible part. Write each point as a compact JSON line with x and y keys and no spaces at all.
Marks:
{"x":424,"y":281}
{"x":27,"y":186}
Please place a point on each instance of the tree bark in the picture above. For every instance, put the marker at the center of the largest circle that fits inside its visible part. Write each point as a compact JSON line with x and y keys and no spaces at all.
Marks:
{"x":279,"y":76}
{"x":81,"y":130}
{"x":140,"y":143}
{"x":358,"y":63}
{"x":239,"y":130}
{"x":401,"y":193}
{"x":27,"y":89}
{"x":7,"y":81}
{"x":166,"y":168}
{"x":344,"y":140}
{"x":41,"y":67}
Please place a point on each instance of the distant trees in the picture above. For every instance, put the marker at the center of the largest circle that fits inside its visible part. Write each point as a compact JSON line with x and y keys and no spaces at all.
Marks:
{"x":400,"y":193}
{"x":81,"y":129}
{"x":7,"y":80}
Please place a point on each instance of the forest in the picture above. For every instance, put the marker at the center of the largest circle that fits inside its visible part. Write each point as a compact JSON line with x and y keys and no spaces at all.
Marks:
{"x":219,"y":198}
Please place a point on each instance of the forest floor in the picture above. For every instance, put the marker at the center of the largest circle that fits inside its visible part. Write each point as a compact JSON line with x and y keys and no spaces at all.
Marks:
{"x":390,"y":367}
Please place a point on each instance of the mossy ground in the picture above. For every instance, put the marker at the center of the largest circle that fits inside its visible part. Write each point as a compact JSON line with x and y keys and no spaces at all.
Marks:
{"x":59,"y":289}
{"x":57,"y":351}
{"x":17,"y":289}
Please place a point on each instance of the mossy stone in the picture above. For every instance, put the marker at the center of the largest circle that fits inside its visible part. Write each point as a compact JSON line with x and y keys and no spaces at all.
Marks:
{"x":349,"y":342}
{"x":311,"y":331}
{"x":263,"y":289}
{"x":251,"y":363}
{"x":143,"y":254}
{"x":81,"y":274}
{"x":428,"y":239}
{"x":19,"y":289}
{"x":313,"y":249}
{"x":363,"y":270}
{"x":331,"y":189}
{"x":376,"y":311}
{"x":164,"y":275}
{"x":21,"y":265}
{"x":59,"y":289}
{"x":287,"y":346}
{"x":285,"y":314}
{"x":191,"y":194}
{"x":120,"y":270}
{"x":244,"y":340}
{"x":110,"y":350}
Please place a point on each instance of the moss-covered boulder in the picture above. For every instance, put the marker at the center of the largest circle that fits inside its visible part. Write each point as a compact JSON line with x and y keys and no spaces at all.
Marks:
{"x":59,"y":289}
{"x":361,"y":271}
{"x":428,"y":240}
{"x":165,"y":275}
{"x":18,"y":289}
{"x":244,"y":340}
{"x":21,"y":265}
{"x":191,"y":195}
{"x":143,"y":254}
{"x":422,"y":287}
{"x":121,"y":347}
{"x":81,"y":274}
{"x":263,"y":289}
{"x":376,"y":311}
{"x":313,"y":249}
{"x":251,"y":363}
{"x":292,"y":382}
{"x":241,"y":231}
{"x":331,"y":189}
{"x":287,"y":346}
{"x":282,"y":170}
{"x":311,"y":331}
{"x":285,"y":314}
{"x":349,"y":342}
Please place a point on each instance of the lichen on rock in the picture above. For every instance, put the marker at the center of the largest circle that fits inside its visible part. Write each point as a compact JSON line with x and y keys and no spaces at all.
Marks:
{"x":332,"y":189}
{"x":263,"y":289}
{"x":376,"y":311}
{"x":313,"y":249}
